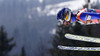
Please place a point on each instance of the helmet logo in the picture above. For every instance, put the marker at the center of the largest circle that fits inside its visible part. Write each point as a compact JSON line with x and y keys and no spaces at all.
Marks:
{"x":66,"y":16}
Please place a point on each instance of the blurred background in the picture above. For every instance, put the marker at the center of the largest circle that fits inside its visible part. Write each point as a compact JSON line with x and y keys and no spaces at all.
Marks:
{"x":32,"y":23}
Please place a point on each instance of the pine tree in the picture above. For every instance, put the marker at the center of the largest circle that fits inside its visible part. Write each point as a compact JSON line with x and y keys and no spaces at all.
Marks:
{"x":59,"y":39}
{"x":23,"y":52}
{"x":5,"y":47}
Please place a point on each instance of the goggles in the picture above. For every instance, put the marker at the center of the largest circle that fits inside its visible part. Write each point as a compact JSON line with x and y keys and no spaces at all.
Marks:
{"x":67,"y":15}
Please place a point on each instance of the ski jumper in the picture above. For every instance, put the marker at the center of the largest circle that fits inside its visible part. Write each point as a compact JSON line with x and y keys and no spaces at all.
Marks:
{"x":88,"y":14}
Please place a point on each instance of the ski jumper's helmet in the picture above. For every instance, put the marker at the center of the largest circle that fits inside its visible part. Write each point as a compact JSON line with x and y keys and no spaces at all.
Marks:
{"x":64,"y":15}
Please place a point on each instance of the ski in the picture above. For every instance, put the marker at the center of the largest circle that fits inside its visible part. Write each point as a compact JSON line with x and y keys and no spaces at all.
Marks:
{"x":79,"y":48}
{"x":82,"y":38}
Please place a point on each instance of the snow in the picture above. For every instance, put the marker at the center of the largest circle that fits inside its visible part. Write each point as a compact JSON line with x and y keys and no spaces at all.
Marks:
{"x":53,"y":31}
{"x":73,"y":5}
{"x":94,"y":1}
{"x":29,"y":16}
{"x":41,"y":1}
{"x":38,"y":9}
{"x":27,"y":0}
{"x":52,"y":9}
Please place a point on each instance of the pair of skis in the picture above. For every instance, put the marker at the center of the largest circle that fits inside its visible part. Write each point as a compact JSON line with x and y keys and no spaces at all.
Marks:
{"x":81,"y":38}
